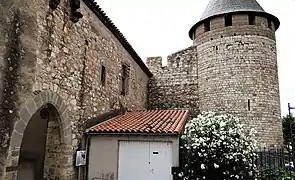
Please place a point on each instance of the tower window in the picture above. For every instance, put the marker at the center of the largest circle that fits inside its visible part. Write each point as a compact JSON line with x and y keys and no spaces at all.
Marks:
{"x":102,"y":74}
{"x":251,"y":20}
{"x":207,"y":25}
{"x":249,"y":105}
{"x":193,"y":36}
{"x":125,"y":79}
{"x":269,"y":23}
{"x":228,"y":20}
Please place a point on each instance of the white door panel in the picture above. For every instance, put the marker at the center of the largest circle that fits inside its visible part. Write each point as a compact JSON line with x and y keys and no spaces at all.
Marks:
{"x":133,"y":160}
{"x":160,"y":160}
{"x":144,"y":160}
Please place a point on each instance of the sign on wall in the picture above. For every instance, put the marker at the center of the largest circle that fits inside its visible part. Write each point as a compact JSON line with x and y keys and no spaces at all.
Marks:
{"x":81,"y":158}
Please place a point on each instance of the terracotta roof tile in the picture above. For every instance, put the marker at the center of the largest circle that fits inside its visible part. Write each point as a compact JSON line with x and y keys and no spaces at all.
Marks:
{"x":149,"y":121}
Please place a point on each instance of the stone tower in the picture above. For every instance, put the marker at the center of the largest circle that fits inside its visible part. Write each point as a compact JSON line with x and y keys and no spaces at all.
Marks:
{"x":233,"y":63}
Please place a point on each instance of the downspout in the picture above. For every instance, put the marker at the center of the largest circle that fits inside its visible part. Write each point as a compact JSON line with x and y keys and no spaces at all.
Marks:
{"x":82,"y":172}
{"x":87,"y":147}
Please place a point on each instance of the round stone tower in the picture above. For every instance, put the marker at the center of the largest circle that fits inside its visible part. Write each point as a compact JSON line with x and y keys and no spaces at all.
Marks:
{"x":237,"y":65}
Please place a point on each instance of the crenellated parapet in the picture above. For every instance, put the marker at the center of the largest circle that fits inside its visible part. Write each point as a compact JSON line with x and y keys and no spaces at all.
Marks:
{"x":175,"y":86}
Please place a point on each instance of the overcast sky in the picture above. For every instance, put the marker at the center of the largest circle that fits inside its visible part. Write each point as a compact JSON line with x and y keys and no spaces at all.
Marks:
{"x":160,"y":28}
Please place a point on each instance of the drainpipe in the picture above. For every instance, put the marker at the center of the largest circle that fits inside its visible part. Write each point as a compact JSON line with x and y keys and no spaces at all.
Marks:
{"x":82,"y":169}
{"x":291,"y":131}
{"x":87,"y":144}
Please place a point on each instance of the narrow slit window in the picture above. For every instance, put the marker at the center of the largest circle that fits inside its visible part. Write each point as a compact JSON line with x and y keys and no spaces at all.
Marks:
{"x":207,"y":25}
{"x":103,"y":75}
{"x":249,"y":105}
{"x":228,"y":20}
{"x":125,"y":80}
{"x":269,"y":23}
{"x":251,"y":20}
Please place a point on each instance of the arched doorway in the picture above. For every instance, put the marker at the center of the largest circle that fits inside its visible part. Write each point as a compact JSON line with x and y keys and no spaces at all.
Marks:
{"x":42,"y":140}
{"x":38,"y":150}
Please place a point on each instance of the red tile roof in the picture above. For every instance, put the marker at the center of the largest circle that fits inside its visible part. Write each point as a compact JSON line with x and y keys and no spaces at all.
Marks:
{"x":149,"y":121}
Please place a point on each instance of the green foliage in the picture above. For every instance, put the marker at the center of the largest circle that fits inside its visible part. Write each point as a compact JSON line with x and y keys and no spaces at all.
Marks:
{"x":271,"y":174}
{"x":288,"y":123}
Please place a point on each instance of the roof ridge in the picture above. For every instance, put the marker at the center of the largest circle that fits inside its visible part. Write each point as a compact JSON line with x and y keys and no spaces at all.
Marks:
{"x":97,"y":10}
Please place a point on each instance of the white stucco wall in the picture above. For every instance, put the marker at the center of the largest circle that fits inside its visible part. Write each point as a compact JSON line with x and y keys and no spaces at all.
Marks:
{"x":104,"y":150}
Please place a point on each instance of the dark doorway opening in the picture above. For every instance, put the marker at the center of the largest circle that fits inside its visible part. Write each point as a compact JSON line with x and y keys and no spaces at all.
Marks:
{"x":41,"y":139}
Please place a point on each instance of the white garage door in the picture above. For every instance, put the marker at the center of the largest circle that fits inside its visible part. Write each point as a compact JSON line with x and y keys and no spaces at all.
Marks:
{"x":142,"y":160}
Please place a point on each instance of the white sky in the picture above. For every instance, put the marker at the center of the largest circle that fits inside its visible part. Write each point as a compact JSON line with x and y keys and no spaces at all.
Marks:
{"x":160,"y":28}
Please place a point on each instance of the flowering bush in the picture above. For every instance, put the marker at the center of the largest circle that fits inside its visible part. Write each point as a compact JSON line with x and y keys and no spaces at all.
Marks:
{"x":218,"y":147}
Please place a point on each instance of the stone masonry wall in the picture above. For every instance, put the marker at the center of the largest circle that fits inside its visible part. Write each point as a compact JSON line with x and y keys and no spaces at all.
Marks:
{"x":238,"y":75}
{"x":175,"y":85}
{"x":17,"y":57}
{"x":241,"y":28}
{"x":70,"y":62}
{"x":62,"y":59}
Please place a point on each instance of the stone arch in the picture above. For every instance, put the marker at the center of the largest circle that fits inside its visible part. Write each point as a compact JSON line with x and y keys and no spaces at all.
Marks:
{"x":26,"y":113}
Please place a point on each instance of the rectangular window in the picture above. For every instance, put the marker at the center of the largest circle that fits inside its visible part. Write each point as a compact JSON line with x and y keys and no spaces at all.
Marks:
{"x":102,"y":74}
{"x":251,"y":20}
{"x":125,"y":79}
{"x":207,"y":25}
{"x":228,"y":20}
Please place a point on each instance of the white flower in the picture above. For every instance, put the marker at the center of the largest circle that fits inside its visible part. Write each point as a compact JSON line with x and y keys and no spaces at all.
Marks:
{"x":216,"y":166}
{"x":222,"y":124}
{"x":204,"y":141}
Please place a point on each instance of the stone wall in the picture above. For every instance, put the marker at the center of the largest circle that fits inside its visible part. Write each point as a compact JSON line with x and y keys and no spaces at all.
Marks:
{"x":175,"y":86}
{"x":18,"y":57}
{"x":70,"y":62}
{"x":229,"y":69}
{"x":240,"y":27}
{"x":237,"y":74}
{"x":61,"y":65}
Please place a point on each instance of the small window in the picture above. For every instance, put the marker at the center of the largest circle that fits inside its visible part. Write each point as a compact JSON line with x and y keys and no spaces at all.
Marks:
{"x":125,"y":79}
{"x":249,"y":105}
{"x":193,"y":36}
{"x":207,"y":25}
{"x":269,"y":22}
{"x":103,"y":75}
{"x":251,"y":20}
{"x":228,"y":20}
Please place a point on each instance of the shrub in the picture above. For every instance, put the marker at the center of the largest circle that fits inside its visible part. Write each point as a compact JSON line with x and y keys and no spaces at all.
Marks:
{"x":218,"y":147}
